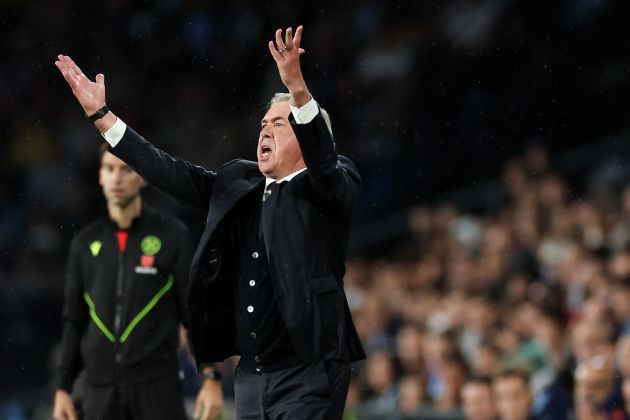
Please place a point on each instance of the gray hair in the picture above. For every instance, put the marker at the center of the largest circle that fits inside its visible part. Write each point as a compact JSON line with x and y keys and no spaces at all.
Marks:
{"x":285,"y":97}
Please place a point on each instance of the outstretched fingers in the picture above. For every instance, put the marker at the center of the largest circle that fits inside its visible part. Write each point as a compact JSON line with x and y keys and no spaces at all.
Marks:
{"x":70,"y":72}
{"x":297,"y":39}
{"x":73,"y":65}
{"x":287,"y":45}
{"x":274,"y":52}
{"x":280,"y":45}
{"x":70,"y":77}
{"x":288,"y":37}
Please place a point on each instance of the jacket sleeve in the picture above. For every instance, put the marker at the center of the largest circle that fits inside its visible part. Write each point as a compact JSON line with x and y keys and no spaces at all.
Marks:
{"x":334,"y":178}
{"x":175,"y":176}
{"x":75,"y":318}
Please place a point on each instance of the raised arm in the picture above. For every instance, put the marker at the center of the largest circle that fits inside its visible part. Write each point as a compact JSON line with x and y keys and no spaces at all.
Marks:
{"x":177,"y":177}
{"x":335,"y":180}
{"x":286,"y":53}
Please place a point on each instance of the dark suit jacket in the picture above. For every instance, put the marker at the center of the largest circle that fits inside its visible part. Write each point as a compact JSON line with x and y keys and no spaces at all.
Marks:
{"x":306,"y":248}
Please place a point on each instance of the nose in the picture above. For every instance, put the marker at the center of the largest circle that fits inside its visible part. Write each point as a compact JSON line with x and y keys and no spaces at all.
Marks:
{"x":266,"y":132}
{"x":118,"y":175}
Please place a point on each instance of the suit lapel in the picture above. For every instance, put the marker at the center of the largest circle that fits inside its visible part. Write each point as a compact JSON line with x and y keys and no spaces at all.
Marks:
{"x":225,"y":199}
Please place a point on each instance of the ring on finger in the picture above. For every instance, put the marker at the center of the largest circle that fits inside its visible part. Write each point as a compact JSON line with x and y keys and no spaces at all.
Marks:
{"x":281,"y":50}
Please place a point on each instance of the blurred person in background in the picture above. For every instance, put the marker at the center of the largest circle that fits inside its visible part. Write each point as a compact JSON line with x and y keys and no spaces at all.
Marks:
{"x":512,"y":395}
{"x":452,"y":374}
{"x":622,"y":355}
{"x":411,"y":395}
{"x":597,"y":393}
{"x":267,"y":276}
{"x":620,"y":304}
{"x":477,"y":399}
{"x":124,"y":302}
{"x":625,"y":389}
{"x":551,"y":399}
{"x":479,"y":322}
{"x":487,"y":362}
{"x":409,"y":349}
{"x":381,"y":393}
{"x":590,"y":339}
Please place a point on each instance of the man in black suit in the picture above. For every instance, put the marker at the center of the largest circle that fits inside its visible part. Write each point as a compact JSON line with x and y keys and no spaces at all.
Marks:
{"x":267,"y":276}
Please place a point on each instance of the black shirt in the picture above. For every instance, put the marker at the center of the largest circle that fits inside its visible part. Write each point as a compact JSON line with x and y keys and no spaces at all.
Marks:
{"x":261,"y":335}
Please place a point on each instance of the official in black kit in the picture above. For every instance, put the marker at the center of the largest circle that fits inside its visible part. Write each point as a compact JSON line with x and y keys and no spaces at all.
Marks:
{"x":267,"y":275}
{"x":125,"y":290}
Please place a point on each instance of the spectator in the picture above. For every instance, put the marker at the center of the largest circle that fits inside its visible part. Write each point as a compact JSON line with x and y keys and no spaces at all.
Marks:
{"x":409,"y":349}
{"x":597,"y":394}
{"x":622,"y":356}
{"x":589,"y":339}
{"x":477,"y":399}
{"x":382,"y":392}
{"x":411,"y":395}
{"x":626,"y":394}
{"x":452,"y":375}
{"x":620,"y":304}
{"x":512,"y":395}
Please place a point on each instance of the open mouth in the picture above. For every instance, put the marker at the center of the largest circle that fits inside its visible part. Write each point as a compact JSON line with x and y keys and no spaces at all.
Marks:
{"x":265,"y":150}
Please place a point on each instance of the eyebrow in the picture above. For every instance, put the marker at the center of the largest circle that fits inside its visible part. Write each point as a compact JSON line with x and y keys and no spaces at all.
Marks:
{"x":272,"y":120}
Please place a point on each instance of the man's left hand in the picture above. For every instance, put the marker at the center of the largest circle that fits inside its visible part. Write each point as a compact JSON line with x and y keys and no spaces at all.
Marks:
{"x":286,"y":53}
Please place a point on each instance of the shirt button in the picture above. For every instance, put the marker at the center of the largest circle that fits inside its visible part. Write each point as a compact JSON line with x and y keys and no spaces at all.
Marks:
{"x":252,"y":283}
{"x":257,"y":359}
{"x":252,"y":334}
{"x":255,"y":255}
{"x":250,"y":309}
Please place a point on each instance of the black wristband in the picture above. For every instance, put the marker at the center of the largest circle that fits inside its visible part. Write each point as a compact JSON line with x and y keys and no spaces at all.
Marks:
{"x":98,"y":114}
{"x":213,"y":375}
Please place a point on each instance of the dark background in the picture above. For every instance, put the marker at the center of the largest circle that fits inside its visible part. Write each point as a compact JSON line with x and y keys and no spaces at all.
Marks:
{"x":427,"y":97}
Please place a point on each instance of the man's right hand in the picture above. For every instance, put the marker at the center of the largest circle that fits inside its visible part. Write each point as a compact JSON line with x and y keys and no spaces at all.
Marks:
{"x":91,"y":95}
{"x":64,"y":408}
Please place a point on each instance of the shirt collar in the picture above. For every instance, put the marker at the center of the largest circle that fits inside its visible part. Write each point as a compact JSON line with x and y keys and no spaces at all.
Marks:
{"x":286,"y":178}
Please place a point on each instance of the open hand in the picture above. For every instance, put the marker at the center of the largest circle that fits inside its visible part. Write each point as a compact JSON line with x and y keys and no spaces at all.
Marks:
{"x":286,"y":53}
{"x":91,"y":95}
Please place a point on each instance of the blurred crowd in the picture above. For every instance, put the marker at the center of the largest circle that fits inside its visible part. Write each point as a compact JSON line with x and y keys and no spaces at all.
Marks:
{"x":426,"y":96}
{"x":523,"y":312}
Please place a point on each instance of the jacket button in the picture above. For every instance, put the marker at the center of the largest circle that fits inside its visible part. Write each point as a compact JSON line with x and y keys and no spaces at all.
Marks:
{"x":255,"y":255}
{"x":252,"y":283}
{"x":252,"y":334}
{"x":257,"y":359}
{"x":250,"y":309}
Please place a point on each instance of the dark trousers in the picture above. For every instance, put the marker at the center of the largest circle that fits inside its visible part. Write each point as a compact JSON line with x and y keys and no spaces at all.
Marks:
{"x":309,"y":391}
{"x":155,"y":400}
